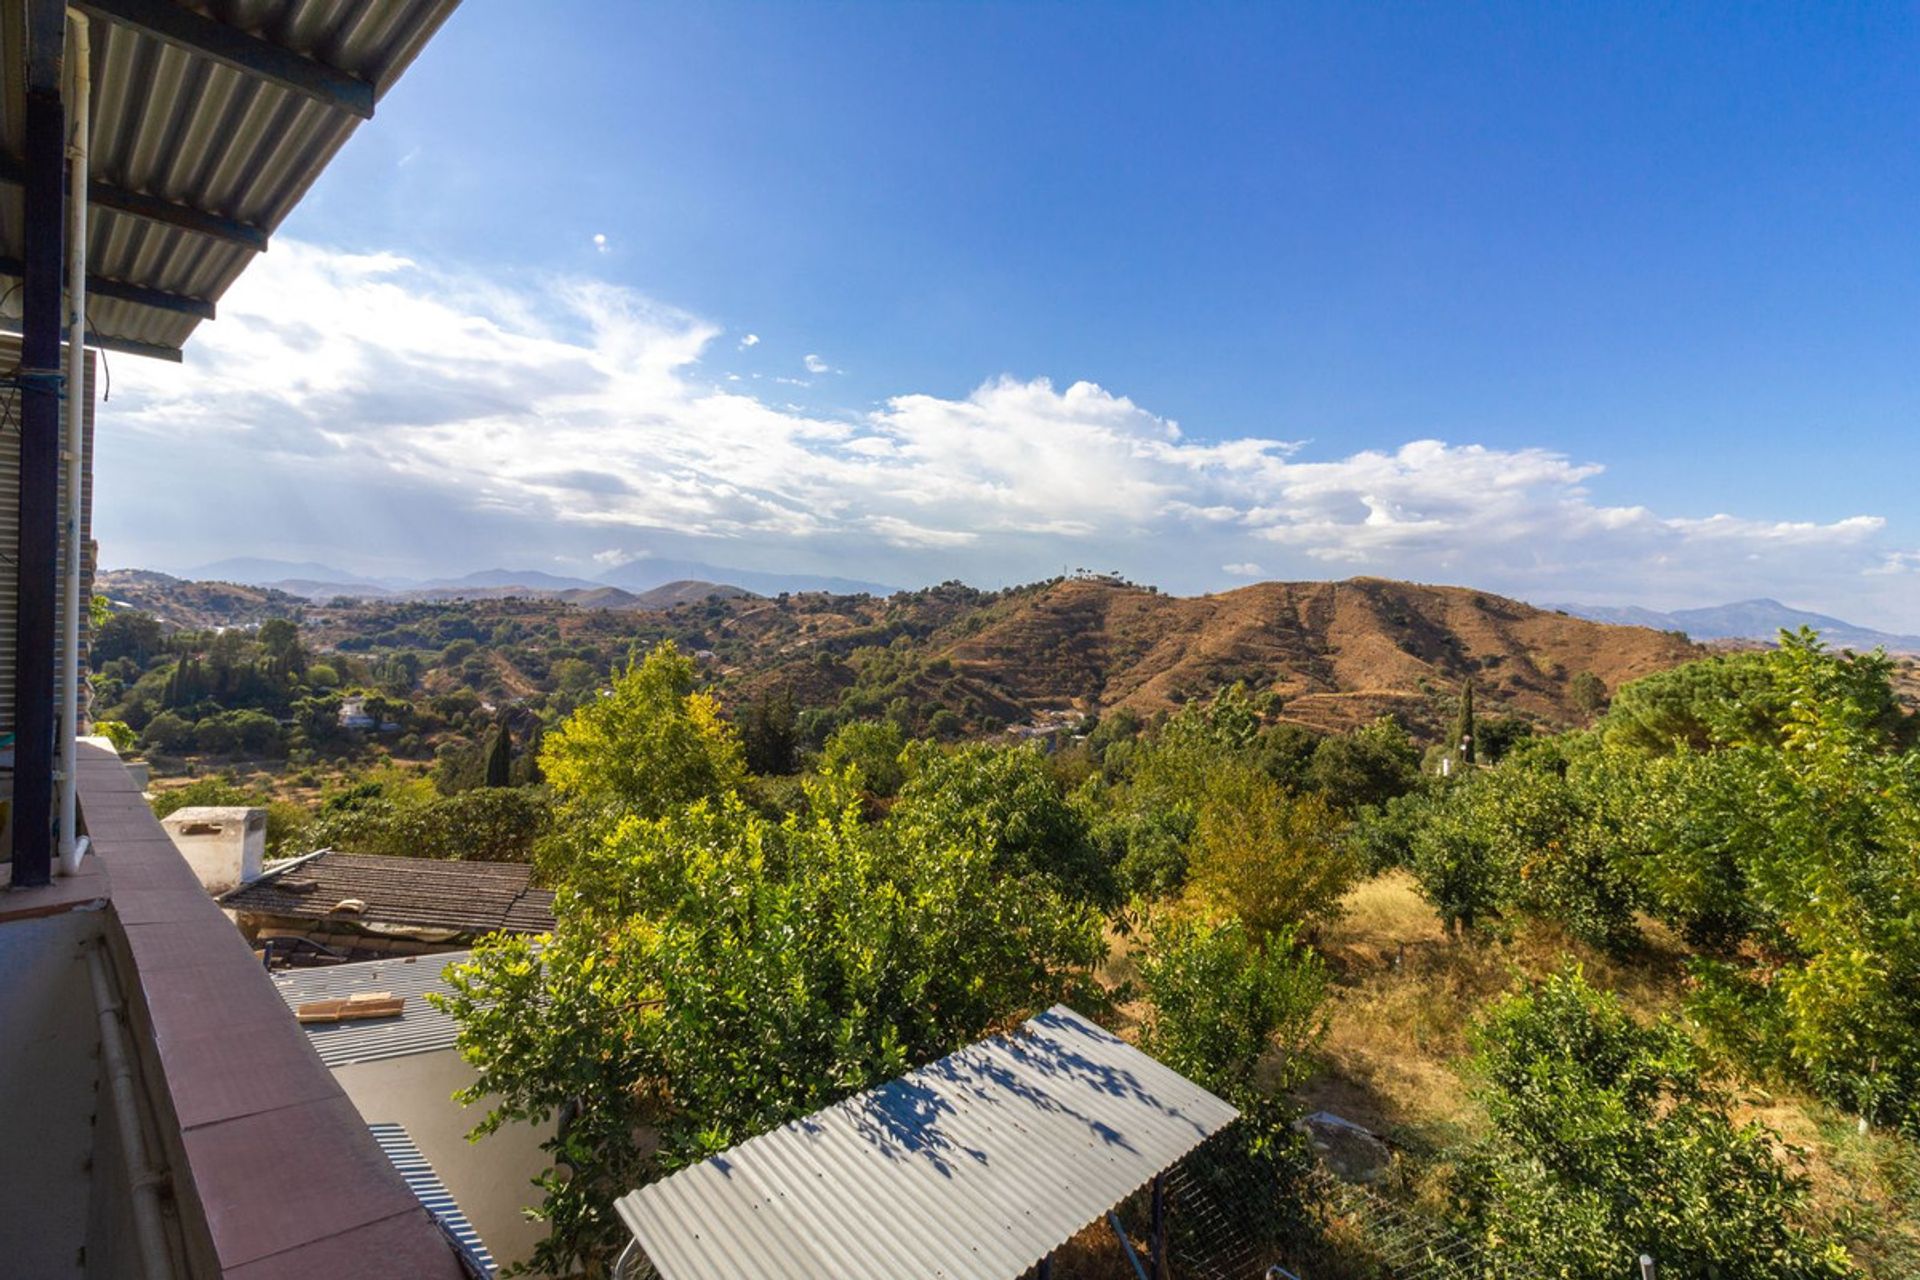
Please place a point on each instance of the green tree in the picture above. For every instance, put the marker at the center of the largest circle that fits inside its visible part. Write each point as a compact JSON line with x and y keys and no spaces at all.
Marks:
{"x":1368,"y":766}
{"x":1463,"y":734}
{"x":216,"y":736}
{"x":1610,"y":1140}
{"x":1221,"y":1002}
{"x":874,"y":748}
{"x":500,"y":757}
{"x":168,"y":732}
{"x":1588,"y":693}
{"x":716,"y":974}
{"x":486,"y":824}
{"x":1521,"y":838}
{"x":770,"y":735}
{"x":651,"y":745}
{"x":1004,"y":800}
{"x":128,"y":634}
{"x":1266,"y":858}
{"x":286,"y":655}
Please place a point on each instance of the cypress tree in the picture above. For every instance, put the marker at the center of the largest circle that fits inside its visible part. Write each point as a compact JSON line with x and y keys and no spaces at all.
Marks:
{"x":500,"y":758}
{"x":1463,"y":727}
{"x":534,"y":776}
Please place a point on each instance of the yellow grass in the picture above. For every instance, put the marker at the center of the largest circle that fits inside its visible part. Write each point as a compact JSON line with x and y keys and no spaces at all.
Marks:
{"x":1404,"y":997}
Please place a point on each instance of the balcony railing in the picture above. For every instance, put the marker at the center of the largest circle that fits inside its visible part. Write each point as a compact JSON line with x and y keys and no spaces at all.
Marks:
{"x":161,"y":1114}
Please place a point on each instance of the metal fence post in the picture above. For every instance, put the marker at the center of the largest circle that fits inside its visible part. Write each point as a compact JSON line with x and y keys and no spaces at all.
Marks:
{"x":1162,"y":1270}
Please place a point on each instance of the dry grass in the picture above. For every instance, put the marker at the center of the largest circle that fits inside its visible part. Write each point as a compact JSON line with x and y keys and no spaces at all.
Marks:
{"x":1405,"y":996}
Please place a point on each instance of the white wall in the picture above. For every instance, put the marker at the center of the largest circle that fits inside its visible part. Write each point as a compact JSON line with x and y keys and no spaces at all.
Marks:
{"x":491,"y":1179}
{"x":49,"y":1063}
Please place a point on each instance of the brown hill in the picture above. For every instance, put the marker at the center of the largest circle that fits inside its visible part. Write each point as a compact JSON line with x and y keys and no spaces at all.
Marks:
{"x":1339,"y":653}
{"x":685,"y":591}
{"x":195,"y":606}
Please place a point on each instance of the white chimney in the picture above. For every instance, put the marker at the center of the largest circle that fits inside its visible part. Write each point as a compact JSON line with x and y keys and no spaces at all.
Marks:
{"x":224,"y":845}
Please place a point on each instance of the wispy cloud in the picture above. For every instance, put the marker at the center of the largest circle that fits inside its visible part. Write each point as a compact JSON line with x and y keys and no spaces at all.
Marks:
{"x":555,"y":417}
{"x":751,"y":340}
{"x":816,"y":365}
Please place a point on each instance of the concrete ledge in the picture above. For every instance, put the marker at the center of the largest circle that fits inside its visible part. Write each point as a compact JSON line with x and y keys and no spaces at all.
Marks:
{"x":274,"y":1171}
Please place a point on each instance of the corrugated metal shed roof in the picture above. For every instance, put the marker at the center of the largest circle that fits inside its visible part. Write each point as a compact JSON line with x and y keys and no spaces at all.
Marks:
{"x":973,"y":1168}
{"x":420,"y":1028}
{"x":198,"y":133}
{"x":398,"y":1147}
{"x":422,"y":893}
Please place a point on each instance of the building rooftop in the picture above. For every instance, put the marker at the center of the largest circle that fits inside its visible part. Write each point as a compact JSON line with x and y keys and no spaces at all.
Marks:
{"x":419,"y":893}
{"x":397,"y":1143}
{"x":976,"y":1167}
{"x":209,"y":124}
{"x":420,"y":1028}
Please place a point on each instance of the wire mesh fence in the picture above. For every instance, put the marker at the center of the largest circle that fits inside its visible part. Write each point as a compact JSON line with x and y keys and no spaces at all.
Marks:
{"x":1234,"y":1215}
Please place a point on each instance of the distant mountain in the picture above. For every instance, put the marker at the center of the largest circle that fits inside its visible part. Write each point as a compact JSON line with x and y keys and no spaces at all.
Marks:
{"x":316,"y":581}
{"x":533,"y":579}
{"x":173,"y":597}
{"x":646,"y":574}
{"x":258,"y":571}
{"x":685,"y":591}
{"x":308,"y":589}
{"x":1746,"y":620}
{"x":1339,"y":654}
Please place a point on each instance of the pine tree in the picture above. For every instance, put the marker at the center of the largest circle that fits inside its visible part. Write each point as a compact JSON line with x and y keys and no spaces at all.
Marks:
{"x":1463,"y":727}
{"x":500,"y":758}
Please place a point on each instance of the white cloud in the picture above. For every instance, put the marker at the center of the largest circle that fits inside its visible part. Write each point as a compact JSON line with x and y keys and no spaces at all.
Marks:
{"x":751,"y":340}
{"x":816,"y":365}
{"x":600,"y":241}
{"x":552,"y":416}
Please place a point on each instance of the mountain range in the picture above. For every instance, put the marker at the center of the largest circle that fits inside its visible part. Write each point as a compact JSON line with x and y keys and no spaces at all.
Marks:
{"x":1761,"y":620}
{"x":316,"y":581}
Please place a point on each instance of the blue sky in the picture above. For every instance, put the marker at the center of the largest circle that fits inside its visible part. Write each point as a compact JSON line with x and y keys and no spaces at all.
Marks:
{"x":1637,"y":268}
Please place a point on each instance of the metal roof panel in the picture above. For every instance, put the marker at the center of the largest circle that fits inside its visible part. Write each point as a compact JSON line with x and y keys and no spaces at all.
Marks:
{"x":974,"y":1167}
{"x":420,"y":1028}
{"x":171,"y":123}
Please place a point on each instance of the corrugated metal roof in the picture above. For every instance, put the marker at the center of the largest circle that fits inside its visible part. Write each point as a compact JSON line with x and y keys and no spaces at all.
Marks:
{"x":423,"y":893}
{"x":420,"y":1028}
{"x":398,"y":1147}
{"x":973,"y":1168}
{"x":198,"y":133}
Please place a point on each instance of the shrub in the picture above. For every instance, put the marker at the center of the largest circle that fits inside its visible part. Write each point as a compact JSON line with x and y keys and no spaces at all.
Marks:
{"x":1610,"y":1141}
{"x":168,"y":732}
{"x":1220,"y":1000}
{"x":487,"y":824}
{"x":874,"y":748}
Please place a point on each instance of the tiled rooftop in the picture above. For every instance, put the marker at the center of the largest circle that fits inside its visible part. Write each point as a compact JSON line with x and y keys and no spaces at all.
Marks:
{"x":465,"y":897}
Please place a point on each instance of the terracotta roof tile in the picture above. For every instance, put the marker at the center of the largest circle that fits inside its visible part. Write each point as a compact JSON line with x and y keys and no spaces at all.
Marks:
{"x":468,"y":897}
